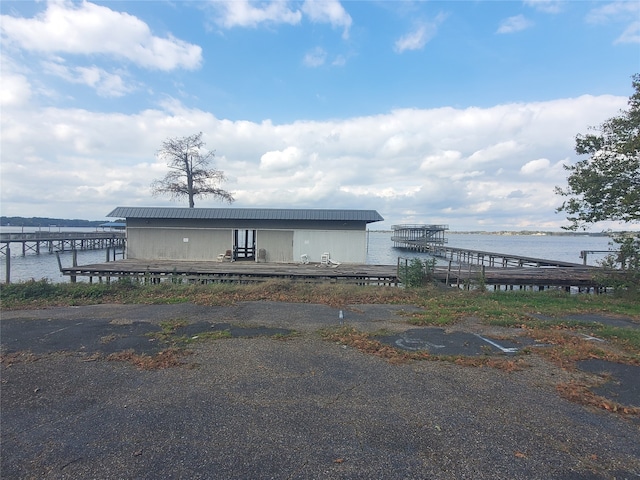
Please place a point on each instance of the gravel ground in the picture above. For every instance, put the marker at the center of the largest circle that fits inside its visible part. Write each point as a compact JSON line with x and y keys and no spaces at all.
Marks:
{"x":294,"y":408}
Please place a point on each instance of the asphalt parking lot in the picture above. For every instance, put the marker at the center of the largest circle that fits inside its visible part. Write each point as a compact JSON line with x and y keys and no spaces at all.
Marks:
{"x":272,"y":399}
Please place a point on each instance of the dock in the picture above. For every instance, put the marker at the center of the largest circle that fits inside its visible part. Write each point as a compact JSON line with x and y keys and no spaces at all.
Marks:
{"x":44,"y":241}
{"x":156,"y":271}
{"x":465,"y":268}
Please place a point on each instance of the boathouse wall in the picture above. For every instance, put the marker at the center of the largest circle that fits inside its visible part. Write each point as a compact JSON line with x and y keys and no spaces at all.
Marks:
{"x":176,"y":243}
{"x":281,"y":241}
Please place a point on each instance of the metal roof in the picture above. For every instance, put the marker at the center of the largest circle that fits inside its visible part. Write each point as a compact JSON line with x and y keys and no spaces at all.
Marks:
{"x":367,"y":216}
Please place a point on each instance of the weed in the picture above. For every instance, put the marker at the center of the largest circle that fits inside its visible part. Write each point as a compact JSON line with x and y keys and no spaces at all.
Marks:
{"x":579,"y":393}
{"x":168,"y":358}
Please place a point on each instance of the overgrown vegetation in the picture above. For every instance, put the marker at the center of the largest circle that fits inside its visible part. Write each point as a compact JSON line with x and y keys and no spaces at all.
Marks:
{"x":625,"y":263}
{"x":416,"y":272}
{"x":447,"y":307}
{"x":41,"y":293}
{"x":441,"y":307}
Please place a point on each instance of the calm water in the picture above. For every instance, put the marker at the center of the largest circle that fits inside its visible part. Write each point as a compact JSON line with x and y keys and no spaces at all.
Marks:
{"x":380,"y":251}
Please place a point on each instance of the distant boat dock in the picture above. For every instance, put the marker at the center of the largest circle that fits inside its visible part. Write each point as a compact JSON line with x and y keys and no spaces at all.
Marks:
{"x":50,"y":242}
{"x":500,"y":270}
{"x":44,"y":241}
{"x":430,"y":239}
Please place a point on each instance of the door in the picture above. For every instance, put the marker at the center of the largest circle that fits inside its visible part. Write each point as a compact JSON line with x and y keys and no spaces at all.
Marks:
{"x":244,"y":244}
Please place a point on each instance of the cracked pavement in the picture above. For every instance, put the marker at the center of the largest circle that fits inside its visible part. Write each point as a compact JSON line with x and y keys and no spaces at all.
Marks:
{"x":296,"y":407}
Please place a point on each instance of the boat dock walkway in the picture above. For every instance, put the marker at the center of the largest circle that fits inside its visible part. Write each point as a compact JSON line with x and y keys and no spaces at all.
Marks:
{"x":44,"y":241}
{"x":497,"y":278}
{"x":155,"y":271}
{"x":491,"y":259}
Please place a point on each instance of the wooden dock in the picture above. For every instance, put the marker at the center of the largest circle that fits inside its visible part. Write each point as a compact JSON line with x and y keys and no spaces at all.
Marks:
{"x":37,"y":242}
{"x":155,"y":271}
{"x":146,"y":271}
{"x":523,"y":278}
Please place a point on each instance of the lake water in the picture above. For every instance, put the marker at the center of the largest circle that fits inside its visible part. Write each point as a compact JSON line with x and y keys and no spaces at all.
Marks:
{"x":380,"y":251}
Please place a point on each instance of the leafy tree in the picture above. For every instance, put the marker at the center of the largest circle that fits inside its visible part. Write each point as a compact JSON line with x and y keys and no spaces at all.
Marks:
{"x":189,"y":172}
{"x":606,"y":186}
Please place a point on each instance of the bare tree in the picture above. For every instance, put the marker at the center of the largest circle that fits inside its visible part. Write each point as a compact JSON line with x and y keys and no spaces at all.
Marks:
{"x":189,"y":172}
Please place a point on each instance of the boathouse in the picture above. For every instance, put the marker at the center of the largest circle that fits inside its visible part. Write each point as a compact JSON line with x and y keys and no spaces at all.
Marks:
{"x":253,"y":234}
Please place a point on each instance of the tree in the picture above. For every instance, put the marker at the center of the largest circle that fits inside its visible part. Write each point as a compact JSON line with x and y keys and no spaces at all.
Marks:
{"x":606,"y":186}
{"x":189,"y":173}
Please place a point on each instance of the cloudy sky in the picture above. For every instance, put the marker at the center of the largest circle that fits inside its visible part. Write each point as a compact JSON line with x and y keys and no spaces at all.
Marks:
{"x":452,"y":112}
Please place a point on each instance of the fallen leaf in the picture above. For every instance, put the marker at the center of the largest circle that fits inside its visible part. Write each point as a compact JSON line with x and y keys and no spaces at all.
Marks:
{"x":520,"y":455}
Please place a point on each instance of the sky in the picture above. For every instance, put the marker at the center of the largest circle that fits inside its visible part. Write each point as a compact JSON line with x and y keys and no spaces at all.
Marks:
{"x":461,"y":113}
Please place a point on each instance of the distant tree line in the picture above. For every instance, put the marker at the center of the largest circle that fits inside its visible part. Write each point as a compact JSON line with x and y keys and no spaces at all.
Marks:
{"x":45,"y":222}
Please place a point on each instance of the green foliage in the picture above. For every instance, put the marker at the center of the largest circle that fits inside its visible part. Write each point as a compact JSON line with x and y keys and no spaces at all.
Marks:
{"x":32,"y":289}
{"x":417,"y":273}
{"x":514,"y":308}
{"x":626,"y":262}
{"x":606,"y":186}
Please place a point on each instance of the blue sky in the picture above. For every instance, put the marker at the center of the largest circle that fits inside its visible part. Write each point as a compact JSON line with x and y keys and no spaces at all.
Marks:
{"x":430,"y":112}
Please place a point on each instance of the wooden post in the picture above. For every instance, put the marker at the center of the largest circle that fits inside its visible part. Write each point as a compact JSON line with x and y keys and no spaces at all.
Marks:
{"x":74,"y":263}
{"x":59,"y":262}
{"x":108,"y":254}
{"x":8,"y":265}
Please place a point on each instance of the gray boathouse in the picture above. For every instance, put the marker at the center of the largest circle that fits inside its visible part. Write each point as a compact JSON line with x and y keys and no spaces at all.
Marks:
{"x":253,"y":234}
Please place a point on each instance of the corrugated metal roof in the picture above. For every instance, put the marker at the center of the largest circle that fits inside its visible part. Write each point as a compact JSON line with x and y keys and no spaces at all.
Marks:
{"x":247,"y":214}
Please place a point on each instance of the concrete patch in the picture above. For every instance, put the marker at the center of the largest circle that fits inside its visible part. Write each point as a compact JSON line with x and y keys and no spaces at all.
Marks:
{"x":194,"y":329}
{"x":437,"y":341}
{"x":85,"y":336}
{"x":622,"y":381}
{"x":106,"y":337}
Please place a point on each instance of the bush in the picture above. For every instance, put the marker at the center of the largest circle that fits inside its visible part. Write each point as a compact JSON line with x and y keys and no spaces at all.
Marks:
{"x":626,"y":263}
{"x":28,"y":290}
{"x":417,"y":273}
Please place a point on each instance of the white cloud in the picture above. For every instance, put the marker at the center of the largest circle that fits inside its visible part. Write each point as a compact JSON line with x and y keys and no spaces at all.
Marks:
{"x":286,"y":159}
{"x":514,"y":24}
{"x":627,"y":12}
{"x":14,"y":89}
{"x":315,"y":58}
{"x":612,"y":11}
{"x":631,"y":34}
{"x":421,"y":34}
{"x":460,"y":165}
{"x":328,"y":11}
{"x":244,"y":13}
{"x":535,"y":167}
{"x":89,"y":29}
{"x":106,"y":84}
{"x":252,"y":14}
{"x":546,"y":6}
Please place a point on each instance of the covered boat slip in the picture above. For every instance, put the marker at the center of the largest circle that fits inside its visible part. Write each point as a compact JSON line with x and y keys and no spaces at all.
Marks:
{"x":259,"y":235}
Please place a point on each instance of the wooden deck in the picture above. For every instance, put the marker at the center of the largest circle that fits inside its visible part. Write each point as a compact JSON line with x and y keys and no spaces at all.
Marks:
{"x":539,"y":278}
{"x":243,"y":272}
